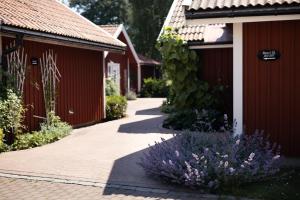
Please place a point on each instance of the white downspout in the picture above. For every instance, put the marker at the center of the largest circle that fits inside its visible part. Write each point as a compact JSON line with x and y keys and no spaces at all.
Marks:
{"x":128,"y":75}
{"x":104,"y":85}
{"x":139,"y":78}
{"x":238,"y":77}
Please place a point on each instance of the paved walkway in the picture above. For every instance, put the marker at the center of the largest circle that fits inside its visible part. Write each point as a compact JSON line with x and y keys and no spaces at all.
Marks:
{"x":97,"y":162}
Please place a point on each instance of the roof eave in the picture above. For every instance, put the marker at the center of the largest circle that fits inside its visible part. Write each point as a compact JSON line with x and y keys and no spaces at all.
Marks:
{"x":244,"y":12}
{"x":62,"y":39}
{"x":202,"y":43}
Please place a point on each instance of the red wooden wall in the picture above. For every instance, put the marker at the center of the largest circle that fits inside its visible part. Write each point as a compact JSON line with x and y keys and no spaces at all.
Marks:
{"x":272,"y":89}
{"x":217,"y":66}
{"x":80,"y":89}
{"x":123,"y":60}
{"x":148,"y":71}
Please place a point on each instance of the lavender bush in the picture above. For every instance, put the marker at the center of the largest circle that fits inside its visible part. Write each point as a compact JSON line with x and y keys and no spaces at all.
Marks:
{"x":210,"y":161}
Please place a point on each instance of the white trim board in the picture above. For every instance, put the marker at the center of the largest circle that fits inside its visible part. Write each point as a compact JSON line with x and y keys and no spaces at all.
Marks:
{"x":121,"y":29}
{"x":242,"y":19}
{"x":238,"y":77}
{"x":220,"y":46}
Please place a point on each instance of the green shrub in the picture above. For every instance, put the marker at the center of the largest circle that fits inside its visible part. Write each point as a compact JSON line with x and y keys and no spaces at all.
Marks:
{"x":212,"y":160}
{"x":131,"y":95}
{"x":111,"y":88}
{"x":115,"y":107}
{"x":154,"y":88}
{"x":1,"y":140}
{"x":11,"y":115}
{"x":167,"y":107}
{"x":49,"y":133}
{"x":198,"y":120}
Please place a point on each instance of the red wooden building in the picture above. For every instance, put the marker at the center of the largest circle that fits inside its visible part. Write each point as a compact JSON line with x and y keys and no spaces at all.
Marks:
{"x":251,"y":46}
{"x":150,"y":68}
{"x":41,"y":25}
{"x":125,"y":68}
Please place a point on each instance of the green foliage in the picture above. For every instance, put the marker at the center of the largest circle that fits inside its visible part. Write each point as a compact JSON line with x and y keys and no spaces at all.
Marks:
{"x":11,"y":114}
{"x":155,"y":88}
{"x":146,"y":17}
{"x":134,"y":13}
{"x":115,"y":107}
{"x":167,"y":107}
{"x":189,"y":94}
{"x":1,"y":140}
{"x":180,"y":65}
{"x":111,"y":88}
{"x":131,"y":95}
{"x":48,"y":134}
{"x":102,"y":11}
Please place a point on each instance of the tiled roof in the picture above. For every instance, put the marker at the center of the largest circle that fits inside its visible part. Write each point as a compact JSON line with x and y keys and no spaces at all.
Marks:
{"x":147,"y":61}
{"x":178,"y":22}
{"x":51,"y":16}
{"x":111,"y":29}
{"x":221,"y":4}
{"x":203,"y":33}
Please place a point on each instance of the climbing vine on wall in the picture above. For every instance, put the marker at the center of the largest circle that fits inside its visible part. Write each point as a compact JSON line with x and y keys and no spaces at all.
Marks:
{"x":181,"y":66}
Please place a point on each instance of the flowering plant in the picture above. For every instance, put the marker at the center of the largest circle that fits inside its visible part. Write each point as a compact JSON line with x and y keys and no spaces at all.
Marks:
{"x":210,"y":161}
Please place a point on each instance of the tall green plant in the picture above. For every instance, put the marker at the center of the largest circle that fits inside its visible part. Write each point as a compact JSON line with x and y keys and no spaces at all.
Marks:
{"x":180,"y":65}
{"x":11,"y":115}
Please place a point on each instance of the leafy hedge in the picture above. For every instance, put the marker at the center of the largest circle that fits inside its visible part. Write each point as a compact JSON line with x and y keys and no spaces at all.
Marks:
{"x":212,"y":160}
{"x":49,"y":133}
{"x":115,"y":107}
{"x":155,"y":88}
{"x":11,"y":115}
{"x":189,"y":94}
{"x":111,"y":88}
{"x":131,"y":95}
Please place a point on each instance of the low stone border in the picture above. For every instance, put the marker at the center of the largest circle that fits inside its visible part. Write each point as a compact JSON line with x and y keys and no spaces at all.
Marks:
{"x":116,"y":186}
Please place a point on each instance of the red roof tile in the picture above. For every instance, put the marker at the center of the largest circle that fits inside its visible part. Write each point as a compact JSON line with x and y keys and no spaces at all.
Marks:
{"x":51,"y":16}
{"x":214,"y":4}
{"x":111,"y":29}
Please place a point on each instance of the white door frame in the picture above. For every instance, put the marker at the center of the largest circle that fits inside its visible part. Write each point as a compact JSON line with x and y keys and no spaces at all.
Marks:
{"x":238,"y":77}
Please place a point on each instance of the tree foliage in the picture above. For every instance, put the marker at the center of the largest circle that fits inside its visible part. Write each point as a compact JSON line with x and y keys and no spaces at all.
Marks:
{"x":102,"y":11}
{"x":142,"y":18}
{"x":146,"y":19}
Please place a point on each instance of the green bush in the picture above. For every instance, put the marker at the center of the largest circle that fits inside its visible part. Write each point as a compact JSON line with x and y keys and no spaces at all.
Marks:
{"x":131,"y":95}
{"x":49,"y":133}
{"x":115,"y":107}
{"x":197,"y":120}
{"x":155,"y":88}
{"x":11,"y":115}
{"x":167,"y":107}
{"x":111,"y":88}
{"x":1,"y":140}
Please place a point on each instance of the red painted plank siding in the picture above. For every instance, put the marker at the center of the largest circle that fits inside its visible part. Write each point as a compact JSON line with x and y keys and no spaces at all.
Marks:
{"x":123,"y":60}
{"x":80,"y":89}
{"x":217,"y":65}
{"x":272,"y":89}
{"x":148,"y":71}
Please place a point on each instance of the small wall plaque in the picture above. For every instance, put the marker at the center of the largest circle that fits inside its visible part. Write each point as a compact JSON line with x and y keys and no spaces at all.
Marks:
{"x":34,"y":61}
{"x":268,"y":55}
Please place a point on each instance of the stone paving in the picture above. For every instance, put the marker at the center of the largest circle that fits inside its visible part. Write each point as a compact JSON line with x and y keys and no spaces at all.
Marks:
{"x":97,"y":162}
{"x":15,"y":189}
{"x":106,"y":152}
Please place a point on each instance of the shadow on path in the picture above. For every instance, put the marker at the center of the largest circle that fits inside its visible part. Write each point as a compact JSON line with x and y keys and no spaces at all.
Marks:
{"x":152,"y":111}
{"x":151,"y":125}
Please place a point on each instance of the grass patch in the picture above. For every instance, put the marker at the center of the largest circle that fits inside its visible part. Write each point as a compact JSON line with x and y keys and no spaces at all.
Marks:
{"x":285,"y":186}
